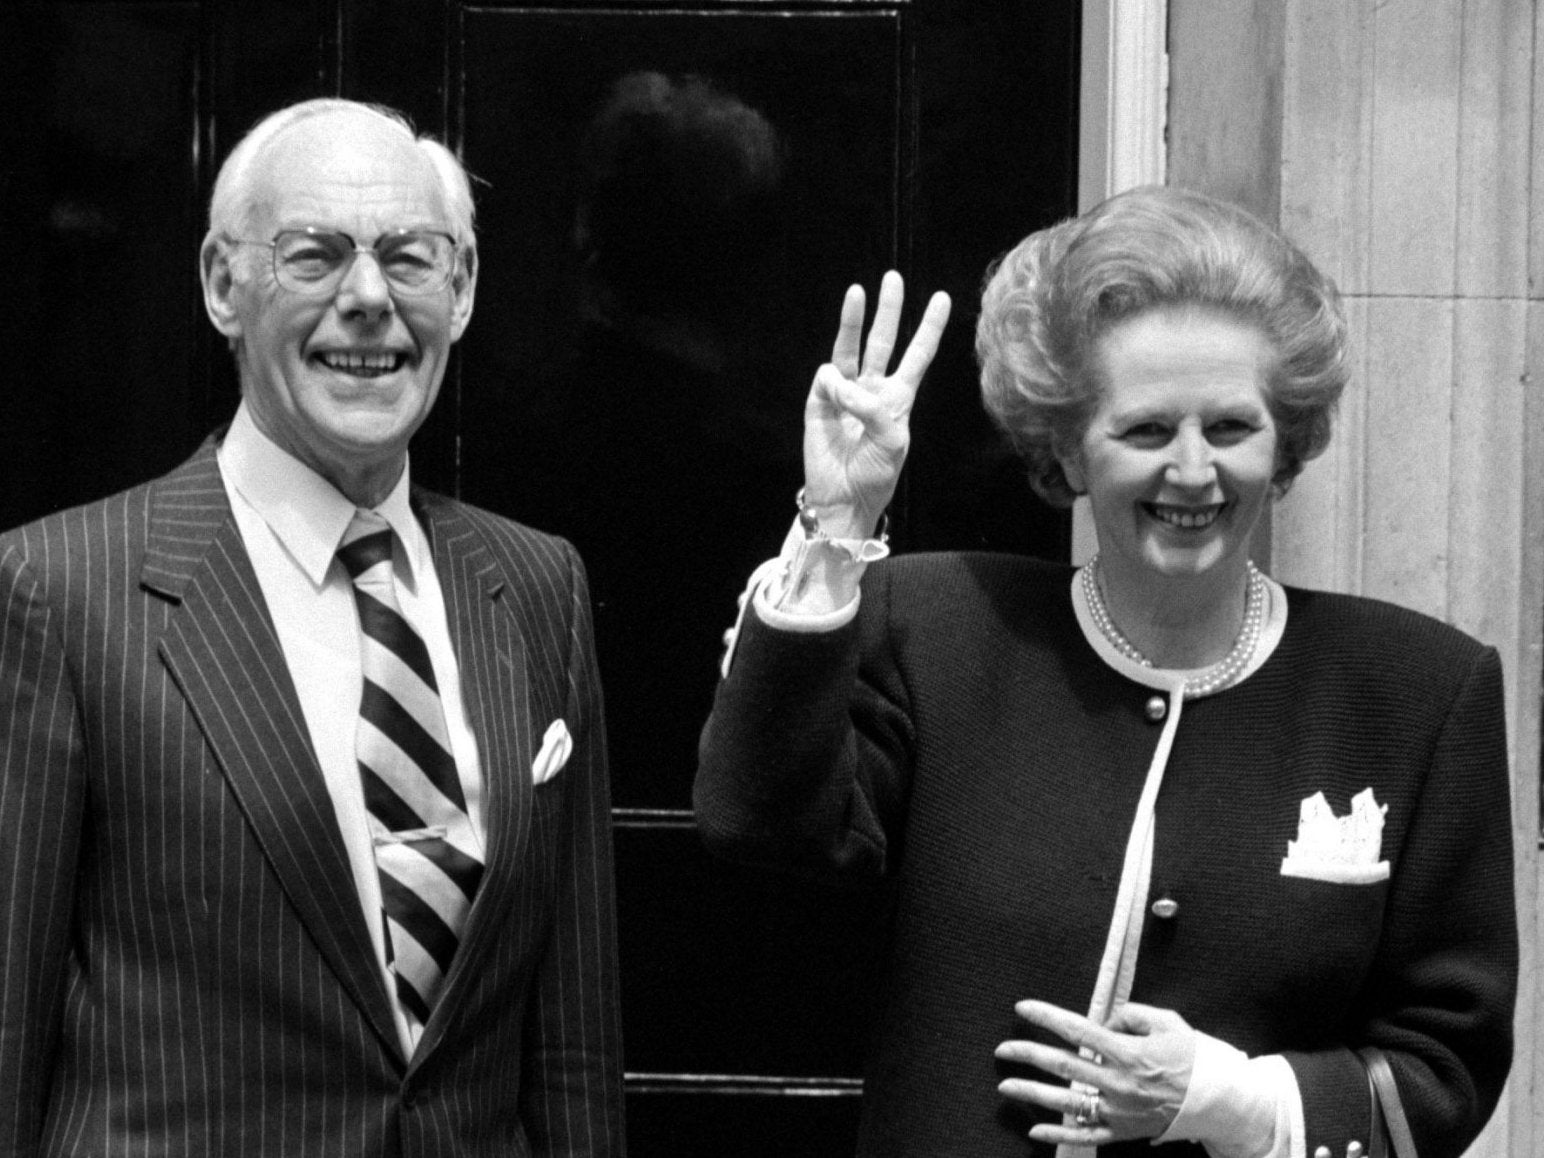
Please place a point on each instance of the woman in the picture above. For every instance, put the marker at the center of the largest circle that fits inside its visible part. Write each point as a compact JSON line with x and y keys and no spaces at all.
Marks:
{"x":1168,"y":841}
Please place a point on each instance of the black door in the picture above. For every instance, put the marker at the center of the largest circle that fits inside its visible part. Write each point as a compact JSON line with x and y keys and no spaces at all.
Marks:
{"x":671,"y":199}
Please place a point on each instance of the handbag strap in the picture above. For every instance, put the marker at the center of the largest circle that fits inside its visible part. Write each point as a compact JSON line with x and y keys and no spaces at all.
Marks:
{"x":1386,"y":1095}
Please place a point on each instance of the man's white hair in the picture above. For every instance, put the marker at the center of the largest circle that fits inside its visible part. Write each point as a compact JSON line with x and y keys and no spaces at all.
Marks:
{"x":231,"y":203}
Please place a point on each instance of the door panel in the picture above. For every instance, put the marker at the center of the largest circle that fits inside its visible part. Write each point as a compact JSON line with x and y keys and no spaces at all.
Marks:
{"x":732,"y":971}
{"x":628,"y":383}
{"x":792,"y":1122}
{"x":98,"y":201}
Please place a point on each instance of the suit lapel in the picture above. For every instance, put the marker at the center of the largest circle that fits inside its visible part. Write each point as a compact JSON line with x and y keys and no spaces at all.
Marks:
{"x":223,"y":653}
{"x":490,"y":656}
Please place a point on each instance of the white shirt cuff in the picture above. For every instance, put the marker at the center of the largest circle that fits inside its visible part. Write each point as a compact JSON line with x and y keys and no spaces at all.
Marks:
{"x":1237,"y":1106}
{"x":811,"y":586}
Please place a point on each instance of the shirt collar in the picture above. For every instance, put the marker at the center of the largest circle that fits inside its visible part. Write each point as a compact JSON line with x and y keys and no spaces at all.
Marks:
{"x":305,"y":512}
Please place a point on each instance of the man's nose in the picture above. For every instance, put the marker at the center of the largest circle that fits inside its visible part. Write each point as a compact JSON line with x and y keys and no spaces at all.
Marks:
{"x":363,"y":290}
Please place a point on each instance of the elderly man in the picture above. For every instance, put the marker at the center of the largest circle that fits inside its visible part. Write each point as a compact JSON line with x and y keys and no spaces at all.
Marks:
{"x":304,"y":828}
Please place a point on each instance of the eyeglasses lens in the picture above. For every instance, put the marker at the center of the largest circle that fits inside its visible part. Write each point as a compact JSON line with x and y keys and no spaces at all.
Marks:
{"x":312,"y":261}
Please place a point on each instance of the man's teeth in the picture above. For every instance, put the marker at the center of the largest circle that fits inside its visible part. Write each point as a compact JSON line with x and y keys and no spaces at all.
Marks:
{"x":354,"y":362}
{"x":1189,"y":519}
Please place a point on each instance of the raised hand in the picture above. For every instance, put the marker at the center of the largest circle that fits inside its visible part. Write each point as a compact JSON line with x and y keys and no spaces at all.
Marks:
{"x":857,"y":419}
{"x":1141,"y":1068}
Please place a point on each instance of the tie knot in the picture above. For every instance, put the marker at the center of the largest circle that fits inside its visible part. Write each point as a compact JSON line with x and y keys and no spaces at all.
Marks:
{"x":366,"y":543}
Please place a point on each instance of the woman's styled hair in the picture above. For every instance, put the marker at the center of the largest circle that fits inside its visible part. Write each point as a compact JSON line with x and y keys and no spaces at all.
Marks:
{"x":1049,"y":300}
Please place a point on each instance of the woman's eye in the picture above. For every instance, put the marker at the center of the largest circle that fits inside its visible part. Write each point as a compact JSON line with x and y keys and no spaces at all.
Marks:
{"x":1229,"y":431}
{"x":1146,"y":434}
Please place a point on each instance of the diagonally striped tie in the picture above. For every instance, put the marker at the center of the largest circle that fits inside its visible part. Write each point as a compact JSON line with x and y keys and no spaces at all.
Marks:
{"x":425,"y":849}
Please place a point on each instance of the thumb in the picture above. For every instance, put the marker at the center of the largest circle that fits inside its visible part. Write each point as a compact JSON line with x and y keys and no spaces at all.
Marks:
{"x":826,"y":388}
{"x":1141,"y":1020}
{"x":833,"y":394}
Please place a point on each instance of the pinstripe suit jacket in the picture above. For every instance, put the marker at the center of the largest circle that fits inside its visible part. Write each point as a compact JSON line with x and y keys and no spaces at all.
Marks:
{"x":186,"y":969}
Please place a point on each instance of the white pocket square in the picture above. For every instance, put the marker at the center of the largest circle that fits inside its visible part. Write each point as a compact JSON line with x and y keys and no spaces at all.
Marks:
{"x":556,"y":747}
{"x":1342,"y":850}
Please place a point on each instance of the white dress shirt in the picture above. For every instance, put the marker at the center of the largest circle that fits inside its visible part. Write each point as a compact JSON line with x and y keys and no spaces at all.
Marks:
{"x":291,"y":521}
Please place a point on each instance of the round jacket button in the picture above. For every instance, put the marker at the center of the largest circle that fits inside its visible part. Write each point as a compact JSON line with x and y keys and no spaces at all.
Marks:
{"x":1156,"y":709}
{"x":1165,"y":908}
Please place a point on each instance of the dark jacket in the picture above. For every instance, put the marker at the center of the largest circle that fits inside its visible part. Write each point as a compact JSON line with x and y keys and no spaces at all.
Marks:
{"x":963,"y":739}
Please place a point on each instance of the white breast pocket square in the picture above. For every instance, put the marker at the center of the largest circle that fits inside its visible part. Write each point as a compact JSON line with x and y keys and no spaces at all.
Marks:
{"x":556,"y":747}
{"x":1342,"y":850}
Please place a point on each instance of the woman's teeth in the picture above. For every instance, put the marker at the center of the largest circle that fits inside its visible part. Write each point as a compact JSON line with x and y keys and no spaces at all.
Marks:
{"x":1188,"y":518}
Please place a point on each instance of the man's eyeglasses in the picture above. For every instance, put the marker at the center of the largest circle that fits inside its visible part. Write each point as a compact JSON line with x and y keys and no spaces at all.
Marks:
{"x":313,"y":261}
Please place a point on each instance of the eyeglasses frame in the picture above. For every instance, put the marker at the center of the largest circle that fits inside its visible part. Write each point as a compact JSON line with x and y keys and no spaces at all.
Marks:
{"x":331,"y":282}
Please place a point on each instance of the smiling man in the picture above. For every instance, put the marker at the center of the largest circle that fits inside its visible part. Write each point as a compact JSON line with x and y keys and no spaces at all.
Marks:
{"x":302,"y":769}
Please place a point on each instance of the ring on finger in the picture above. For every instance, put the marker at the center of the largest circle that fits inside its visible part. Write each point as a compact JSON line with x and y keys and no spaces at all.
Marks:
{"x":1088,"y":1111}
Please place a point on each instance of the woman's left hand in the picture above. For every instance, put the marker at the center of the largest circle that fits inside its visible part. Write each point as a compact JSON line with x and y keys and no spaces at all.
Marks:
{"x":1141,"y":1068}
{"x":857,"y":418}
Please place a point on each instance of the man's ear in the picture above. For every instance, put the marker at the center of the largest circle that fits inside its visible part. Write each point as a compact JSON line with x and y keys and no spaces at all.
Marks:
{"x":463,"y":288}
{"x":214,"y":271}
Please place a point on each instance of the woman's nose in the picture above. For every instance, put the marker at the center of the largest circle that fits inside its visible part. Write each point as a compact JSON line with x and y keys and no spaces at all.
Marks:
{"x":1192,"y":463}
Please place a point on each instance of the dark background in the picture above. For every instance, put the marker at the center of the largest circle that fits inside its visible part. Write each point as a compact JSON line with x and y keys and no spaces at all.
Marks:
{"x":928,"y":136}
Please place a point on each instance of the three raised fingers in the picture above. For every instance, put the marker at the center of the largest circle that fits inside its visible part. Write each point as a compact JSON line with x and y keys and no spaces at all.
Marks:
{"x":852,"y":356}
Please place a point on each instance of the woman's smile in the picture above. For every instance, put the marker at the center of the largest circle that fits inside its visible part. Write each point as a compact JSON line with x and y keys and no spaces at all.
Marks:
{"x":1184,"y":518}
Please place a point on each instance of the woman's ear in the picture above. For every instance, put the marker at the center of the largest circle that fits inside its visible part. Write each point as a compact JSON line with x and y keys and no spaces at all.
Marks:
{"x":1072,"y":467}
{"x":219,"y":282}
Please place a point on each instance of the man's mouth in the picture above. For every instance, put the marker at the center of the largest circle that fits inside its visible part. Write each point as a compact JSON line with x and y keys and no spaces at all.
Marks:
{"x":363,"y":364}
{"x":1185,"y":518}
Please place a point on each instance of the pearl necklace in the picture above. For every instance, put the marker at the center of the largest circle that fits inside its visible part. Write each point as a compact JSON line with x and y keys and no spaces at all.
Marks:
{"x":1221,"y":674}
